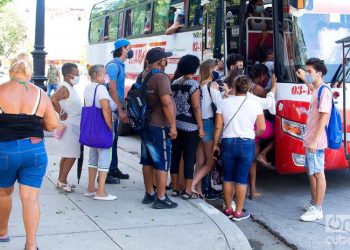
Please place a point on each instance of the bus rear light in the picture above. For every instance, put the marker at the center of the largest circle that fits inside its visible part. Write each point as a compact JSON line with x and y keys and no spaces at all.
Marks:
{"x":298,"y":159}
{"x":294,"y":129}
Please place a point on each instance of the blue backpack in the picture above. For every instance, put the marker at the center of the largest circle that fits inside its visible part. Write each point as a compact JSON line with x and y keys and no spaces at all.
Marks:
{"x":136,"y":103}
{"x":334,"y":128}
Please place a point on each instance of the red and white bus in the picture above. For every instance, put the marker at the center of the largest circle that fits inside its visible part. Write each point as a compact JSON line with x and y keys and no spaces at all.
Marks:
{"x":298,"y":29}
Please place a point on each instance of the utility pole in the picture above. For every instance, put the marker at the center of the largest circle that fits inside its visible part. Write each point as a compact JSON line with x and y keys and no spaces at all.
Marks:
{"x":39,"y":54}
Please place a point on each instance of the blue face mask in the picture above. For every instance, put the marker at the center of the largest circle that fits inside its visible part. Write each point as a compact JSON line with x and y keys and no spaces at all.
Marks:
{"x":309,"y":78}
{"x":215,"y":75}
{"x":259,"y":9}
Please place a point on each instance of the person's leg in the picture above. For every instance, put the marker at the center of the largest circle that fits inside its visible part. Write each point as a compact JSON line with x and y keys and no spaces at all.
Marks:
{"x":265,"y":151}
{"x":176,"y":152}
{"x":228,"y":163}
{"x":102,"y":175}
{"x":5,"y":209}
{"x":31,"y":214}
{"x":161,"y":178}
{"x":228,"y":194}
{"x":252,"y":175}
{"x":189,"y":149}
{"x":114,"y":161}
{"x":148,"y":173}
{"x":313,"y":188}
{"x":240,"y":196}
{"x":49,"y":89}
{"x":92,"y":178}
{"x":66,"y":165}
{"x":200,"y":161}
{"x":320,"y":188}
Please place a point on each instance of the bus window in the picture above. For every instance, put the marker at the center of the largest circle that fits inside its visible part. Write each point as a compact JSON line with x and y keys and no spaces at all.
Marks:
{"x":147,"y":22}
{"x":96,"y":30}
{"x":113,"y":27}
{"x":120,"y":24}
{"x":195,"y":12}
{"x":165,"y":13}
{"x":128,"y":23}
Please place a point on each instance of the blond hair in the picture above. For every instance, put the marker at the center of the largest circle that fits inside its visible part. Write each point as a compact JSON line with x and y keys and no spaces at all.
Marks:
{"x":21,"y":66}
{"x":205,"y":67}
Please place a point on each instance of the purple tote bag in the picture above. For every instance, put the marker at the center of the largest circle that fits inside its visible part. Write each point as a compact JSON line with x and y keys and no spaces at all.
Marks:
{"x":94,"y":131}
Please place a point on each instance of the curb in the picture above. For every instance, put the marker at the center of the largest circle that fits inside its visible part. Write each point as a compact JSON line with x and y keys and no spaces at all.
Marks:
{"x":227,"y":227}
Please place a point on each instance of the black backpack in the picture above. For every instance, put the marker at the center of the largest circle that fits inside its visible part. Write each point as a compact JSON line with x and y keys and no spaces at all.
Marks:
{"x":136,"y":103}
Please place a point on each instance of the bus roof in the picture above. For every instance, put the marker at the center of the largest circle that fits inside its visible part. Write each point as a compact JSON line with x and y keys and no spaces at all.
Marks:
{"x":344,"y":40}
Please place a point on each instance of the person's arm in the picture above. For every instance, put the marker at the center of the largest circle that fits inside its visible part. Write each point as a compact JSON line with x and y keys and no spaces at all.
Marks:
{"x":219,"y":123}
{"x":301,"y":75}
{"x":61,"y":94}
{"x":259,"y":91}
{"x":107,"y":113}
{"x":196,"y":106}
{"x":174,"y":28}
{"x":168,"y":110}
{"x":50,"y":121}
{"x":260,"y":125}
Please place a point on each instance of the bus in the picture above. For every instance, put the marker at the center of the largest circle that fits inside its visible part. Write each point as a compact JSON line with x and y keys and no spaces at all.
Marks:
{"x":296,"y":30}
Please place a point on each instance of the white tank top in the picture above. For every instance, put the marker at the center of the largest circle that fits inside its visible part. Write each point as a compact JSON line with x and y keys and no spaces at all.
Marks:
{"x":72,"y":105}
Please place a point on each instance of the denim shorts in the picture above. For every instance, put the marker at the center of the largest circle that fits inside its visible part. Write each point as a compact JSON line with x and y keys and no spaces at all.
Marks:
{"x":208,"y":125}
{"x":24,"y":161}
{"x":156,"y":148}
{"x":237,"y":155}
{"x":314,"y":162}
{"x":100,"y":158}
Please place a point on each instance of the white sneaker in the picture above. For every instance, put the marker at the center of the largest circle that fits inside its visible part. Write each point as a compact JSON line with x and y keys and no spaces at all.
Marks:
{"x":233,"y":205}
{"x":307,"y":206}
{"x":312,"y":214}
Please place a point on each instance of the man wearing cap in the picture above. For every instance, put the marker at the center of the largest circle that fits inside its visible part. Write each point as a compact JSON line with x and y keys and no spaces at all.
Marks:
{"x":116,"y":72}
{"x":156,"y":138}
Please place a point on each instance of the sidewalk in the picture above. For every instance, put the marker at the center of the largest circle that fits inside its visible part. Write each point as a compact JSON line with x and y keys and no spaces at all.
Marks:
{"x":76,"y":222}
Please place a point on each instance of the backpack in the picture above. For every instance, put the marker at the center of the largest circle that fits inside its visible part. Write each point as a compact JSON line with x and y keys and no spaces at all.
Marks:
{"x":136,"y":103}
{"x":334,"y":127}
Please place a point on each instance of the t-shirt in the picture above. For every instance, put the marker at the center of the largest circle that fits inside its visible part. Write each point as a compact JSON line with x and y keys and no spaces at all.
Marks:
{"x":53,"y":75}
{"x":313,"y":118}
{"x":157,"y":86}
{"x":242,"y":125}
{"x":207,"y":111}
{"x":116,"y":72}
{"x":182,"y":92}
{"x":101,"y":93}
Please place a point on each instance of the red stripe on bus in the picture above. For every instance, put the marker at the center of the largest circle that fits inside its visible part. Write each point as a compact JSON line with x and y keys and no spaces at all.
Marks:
{"x":155,"y":44}
{"x":138,"y":45}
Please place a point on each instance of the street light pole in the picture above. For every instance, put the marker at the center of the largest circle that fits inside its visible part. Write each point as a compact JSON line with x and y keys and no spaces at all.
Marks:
{"x":39,"y":53}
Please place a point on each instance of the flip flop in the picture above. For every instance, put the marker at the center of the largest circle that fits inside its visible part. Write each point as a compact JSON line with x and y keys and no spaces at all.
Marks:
{"x":255,"y":196}
{"x":88,"y":194}
{"x":264,"y":163}
{"x":109,"y":197}
{"x":5,"y":239}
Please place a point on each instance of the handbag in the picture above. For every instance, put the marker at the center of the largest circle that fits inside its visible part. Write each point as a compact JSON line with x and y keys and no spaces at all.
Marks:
{"x":59,"y":131}
{"x":94,"y":131}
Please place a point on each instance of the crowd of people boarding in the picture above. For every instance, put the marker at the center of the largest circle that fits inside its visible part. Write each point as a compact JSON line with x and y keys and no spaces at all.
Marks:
{"x":199,"y":119}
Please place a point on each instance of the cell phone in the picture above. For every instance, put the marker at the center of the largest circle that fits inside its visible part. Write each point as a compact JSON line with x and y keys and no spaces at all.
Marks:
{"x":219,"y":82}
{"x":216,"y":154}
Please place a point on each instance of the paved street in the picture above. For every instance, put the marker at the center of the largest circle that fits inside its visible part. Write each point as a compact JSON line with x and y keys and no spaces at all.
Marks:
{"x":77,"y":222}
{"x":275,"y":220}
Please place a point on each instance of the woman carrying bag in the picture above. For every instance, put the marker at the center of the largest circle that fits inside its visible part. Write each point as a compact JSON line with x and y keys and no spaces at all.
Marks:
{"x":96,"y":132}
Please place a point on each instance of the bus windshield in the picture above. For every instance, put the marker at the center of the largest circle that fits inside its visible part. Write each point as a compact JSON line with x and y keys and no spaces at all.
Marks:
{"x":312,"y":32}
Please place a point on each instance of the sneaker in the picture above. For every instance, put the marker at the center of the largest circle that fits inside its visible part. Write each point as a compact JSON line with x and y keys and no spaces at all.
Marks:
{"x":148,"y":199}
{"x":240,"y":216}
{"x":111,"y":180}
{"x":228,"y":213}
{"x":312,"y":214}
{"x":233,"y":205}
{"x":119,"y":174}
{"x":211,"y":196}
{"x":163,"y":204}
{"x":308,"y":206}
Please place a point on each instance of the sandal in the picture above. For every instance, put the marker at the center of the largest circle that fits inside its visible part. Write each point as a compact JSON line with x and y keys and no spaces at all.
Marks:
{"x":176,"y":192}
{"x":200,"y":196}
{"x":187,"y":196}
{"x":64,"y":188}
{"x":5,"y":238}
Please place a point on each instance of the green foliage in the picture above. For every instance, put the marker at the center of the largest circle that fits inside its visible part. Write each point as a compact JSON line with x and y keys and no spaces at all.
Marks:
{"x":13,"y":31}
{"x":4,"y":2}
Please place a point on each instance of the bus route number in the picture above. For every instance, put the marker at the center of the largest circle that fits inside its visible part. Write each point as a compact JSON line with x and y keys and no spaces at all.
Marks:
{"x":299,"y":90}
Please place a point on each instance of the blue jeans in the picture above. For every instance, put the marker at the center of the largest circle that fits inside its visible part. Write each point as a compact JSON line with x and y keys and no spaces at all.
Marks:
{"x":314,"y":162}
{"x":114,"y":162}
{"x":237,"y":155}
{"x":50,"y":87}
{"x":24,"y":161}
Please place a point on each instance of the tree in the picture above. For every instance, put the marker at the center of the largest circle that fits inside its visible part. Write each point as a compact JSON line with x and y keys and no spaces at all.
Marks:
{"x":13,"y":31}
{"x":4,"y":2}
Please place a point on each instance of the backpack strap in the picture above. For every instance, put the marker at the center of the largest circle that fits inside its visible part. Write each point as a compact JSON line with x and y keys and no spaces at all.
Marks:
{"x":113,"y":62}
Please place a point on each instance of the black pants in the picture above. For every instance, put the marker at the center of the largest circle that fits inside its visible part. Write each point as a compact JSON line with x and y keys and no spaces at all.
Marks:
{"x":186,"y":143}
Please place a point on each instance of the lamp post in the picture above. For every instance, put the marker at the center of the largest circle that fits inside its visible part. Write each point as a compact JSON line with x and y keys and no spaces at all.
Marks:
{"x":39,"y":53}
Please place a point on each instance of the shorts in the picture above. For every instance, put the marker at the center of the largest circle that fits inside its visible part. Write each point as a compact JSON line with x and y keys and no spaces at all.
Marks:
{"x":314,"y":162}
{"x":237,"y":155}
{"x":208,"y":125}
{"x":156,"y":148}
{"x":23,"y":161}
{"x":100,"y":158}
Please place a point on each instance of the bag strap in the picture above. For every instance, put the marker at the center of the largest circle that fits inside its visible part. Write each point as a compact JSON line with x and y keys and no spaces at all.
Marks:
{"x":208,"y":86}
{"x":235,"y":114}
{"x":93,"y":103}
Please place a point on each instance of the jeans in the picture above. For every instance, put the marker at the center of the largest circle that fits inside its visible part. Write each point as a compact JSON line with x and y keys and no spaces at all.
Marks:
{"x":50,"y":87}
{"x":237,"y":155}
{"x":114,"y":162}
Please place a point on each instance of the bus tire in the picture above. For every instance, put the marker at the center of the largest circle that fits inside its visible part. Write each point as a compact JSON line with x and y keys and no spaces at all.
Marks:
{"x":123,"y":129}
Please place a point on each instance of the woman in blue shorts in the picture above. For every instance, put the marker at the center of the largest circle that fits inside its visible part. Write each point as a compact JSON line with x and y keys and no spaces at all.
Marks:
{"x":235,"y":119}
{"x":25,"y":111}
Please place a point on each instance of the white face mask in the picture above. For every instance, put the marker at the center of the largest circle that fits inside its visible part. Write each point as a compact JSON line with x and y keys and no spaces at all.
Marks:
{"x":75,"y":80}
